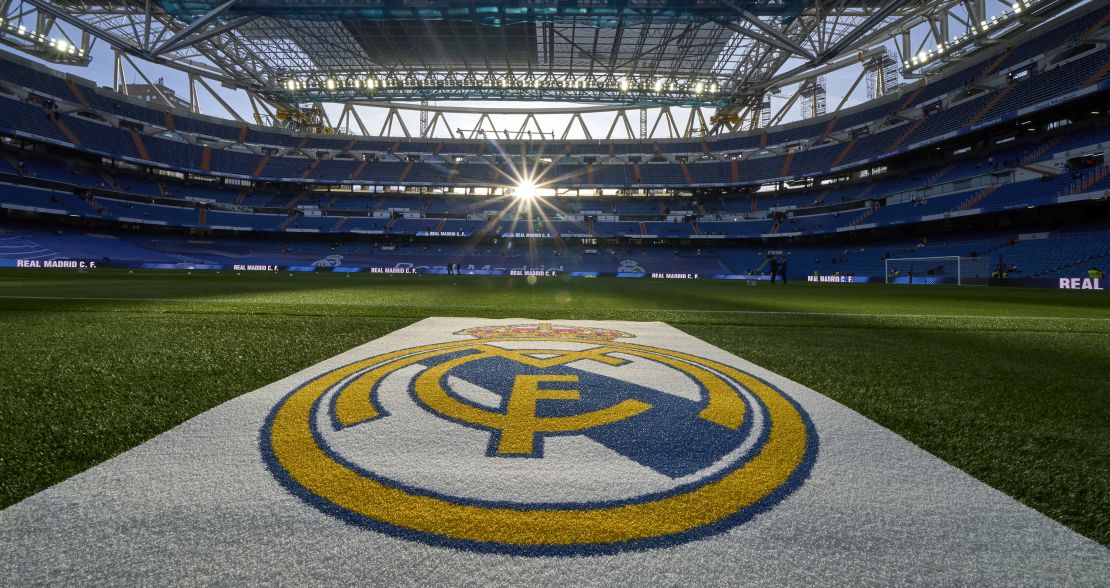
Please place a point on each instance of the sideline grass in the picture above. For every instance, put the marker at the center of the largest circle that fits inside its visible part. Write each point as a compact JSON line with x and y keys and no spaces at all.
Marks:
{"x":1009,"y":385}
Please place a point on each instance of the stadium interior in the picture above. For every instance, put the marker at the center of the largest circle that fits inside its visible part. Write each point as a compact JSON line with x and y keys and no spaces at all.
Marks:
{"x":280,"y":282}
{"x":999,"y":157}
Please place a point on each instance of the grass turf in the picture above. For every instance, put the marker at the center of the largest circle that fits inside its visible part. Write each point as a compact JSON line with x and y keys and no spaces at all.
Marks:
{"x":1009,"y":385}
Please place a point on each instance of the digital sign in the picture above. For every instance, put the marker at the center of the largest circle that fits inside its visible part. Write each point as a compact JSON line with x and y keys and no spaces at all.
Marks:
{"x":56,"y":263}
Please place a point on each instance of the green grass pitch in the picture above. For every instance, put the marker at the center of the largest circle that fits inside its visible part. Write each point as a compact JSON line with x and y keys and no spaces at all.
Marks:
{"x":1010,"y":385}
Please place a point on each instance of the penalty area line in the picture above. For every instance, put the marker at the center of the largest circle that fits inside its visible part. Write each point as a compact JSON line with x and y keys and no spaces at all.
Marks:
{"x":531,"y":308}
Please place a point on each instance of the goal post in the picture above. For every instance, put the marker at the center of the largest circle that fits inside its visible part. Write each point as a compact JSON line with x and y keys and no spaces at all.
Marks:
{"x":942,"y":269}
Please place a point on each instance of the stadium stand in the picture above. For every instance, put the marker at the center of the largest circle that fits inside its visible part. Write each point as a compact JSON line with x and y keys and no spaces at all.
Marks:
{"x":998,"y":135}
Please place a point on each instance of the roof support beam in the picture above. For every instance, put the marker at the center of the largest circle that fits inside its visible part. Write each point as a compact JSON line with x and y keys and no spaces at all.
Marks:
{"x":847,"y":41}
{"x":68,"y":17}
{"x":122,"y":44}
{"x":771,"y":35}
{"x":183,"y":39}
{"x":788,"y":47}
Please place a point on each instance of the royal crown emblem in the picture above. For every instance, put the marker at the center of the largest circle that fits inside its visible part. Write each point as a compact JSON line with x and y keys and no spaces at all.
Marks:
{"x":546,"y":331}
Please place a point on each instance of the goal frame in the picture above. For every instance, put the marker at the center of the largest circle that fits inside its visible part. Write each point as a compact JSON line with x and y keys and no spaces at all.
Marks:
{"x":940,"y":259}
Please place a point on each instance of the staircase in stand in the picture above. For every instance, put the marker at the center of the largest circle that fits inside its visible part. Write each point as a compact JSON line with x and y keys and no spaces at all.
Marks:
{"x":94,"y":205}
{"x":910,"y":99}
{"x":785,"y":171}
{"x":405,"y":172}
{"x":294,"y":201}
{"x":140,"y":148}
{"x":1041,"y":149}
{"x":1098,"y":75}
{"x":311,"y":168}
{"x":906,"y":135}
{"x":940,"y":173}
{"x":261,"y":165}
{"x":977,"y":198}
{"x":697,"y":229}
{"x":989,"y":105}
{"x":643,"y":229}
{"x":53,"y":116}
{"x":202,"y":216}
{"x":358,"y":170}
{"x":288,"y":221}
{"x":862,"y":217}
{"x":77,"y":93}
{"x":109,"y":180}
{"x":1080,"y":186}
{"x":866,"y":191}
{"x":844,"y":152}
{"x":1096,"y":27}
{"x":338,"y":224}
{"x":993,"y":65}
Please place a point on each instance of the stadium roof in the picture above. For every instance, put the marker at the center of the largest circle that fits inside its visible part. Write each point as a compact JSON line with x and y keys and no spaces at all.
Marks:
{"x":724,"y":54}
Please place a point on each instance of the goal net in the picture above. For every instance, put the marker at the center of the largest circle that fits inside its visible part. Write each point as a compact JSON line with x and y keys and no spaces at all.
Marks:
{"x":945,"y":269}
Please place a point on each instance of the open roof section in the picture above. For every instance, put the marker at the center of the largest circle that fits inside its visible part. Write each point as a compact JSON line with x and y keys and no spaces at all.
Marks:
{"x":719,"y":54}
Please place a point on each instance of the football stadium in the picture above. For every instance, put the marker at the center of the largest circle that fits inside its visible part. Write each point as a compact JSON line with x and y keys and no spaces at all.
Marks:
{"x":403,"y":292}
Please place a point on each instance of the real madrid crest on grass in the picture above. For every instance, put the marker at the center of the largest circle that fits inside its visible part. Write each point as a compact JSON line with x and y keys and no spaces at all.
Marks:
{"x":540,"y":439}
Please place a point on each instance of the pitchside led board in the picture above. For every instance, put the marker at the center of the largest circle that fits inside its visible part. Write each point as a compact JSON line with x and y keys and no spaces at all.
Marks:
{"x":84,"y":265}
{"x":464,"y":451}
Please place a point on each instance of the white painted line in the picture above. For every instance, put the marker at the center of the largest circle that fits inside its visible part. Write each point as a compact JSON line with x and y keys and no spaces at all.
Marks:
{"x":533,"y":309}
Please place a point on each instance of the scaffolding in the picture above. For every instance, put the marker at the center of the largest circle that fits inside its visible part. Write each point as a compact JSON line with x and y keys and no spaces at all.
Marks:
{"x":882,"y":75}
{"x":813,"y":97}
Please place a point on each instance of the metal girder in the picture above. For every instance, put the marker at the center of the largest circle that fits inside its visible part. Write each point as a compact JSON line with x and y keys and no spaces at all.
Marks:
{"x":183,"y":38}
{"x":846,"y":42}
{"x":773,"y":36}
{"x":650,"y":53}
{"x":492,"y":11}
{"x":180,"y":37}
{"x":133,"y":47}
{"x":747,"y":32}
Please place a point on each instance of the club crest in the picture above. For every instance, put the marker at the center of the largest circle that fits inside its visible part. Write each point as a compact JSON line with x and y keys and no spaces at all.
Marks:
{"x":540,"y":439}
